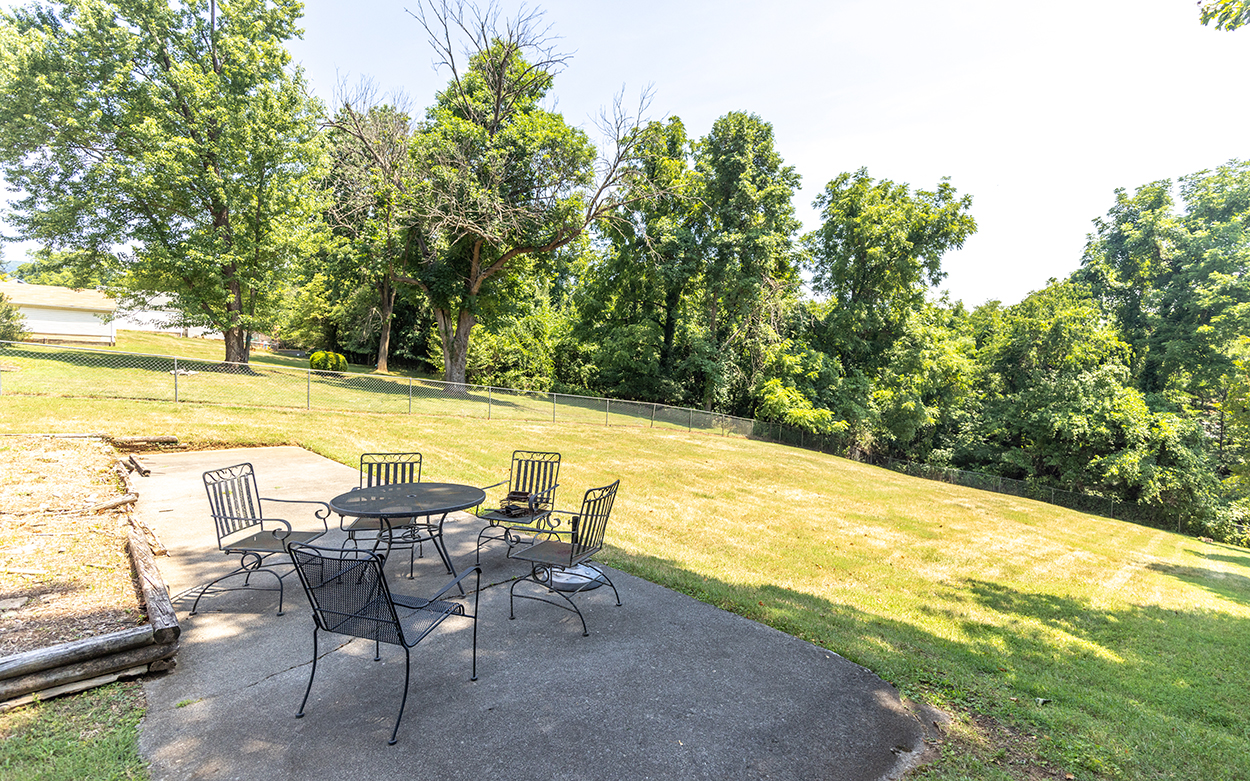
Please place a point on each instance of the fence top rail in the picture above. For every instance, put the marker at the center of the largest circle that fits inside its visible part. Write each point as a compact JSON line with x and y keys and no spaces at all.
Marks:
{"x":425,"y":380}
{"x":82,"y":349}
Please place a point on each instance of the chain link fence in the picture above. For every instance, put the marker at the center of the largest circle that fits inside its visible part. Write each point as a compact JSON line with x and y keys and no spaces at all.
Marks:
{"x":61,"y":370}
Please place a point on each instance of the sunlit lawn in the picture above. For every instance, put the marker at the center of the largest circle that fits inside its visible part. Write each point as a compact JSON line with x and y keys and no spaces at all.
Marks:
{"x":1109,"y":649}
{"x":141,"y":365}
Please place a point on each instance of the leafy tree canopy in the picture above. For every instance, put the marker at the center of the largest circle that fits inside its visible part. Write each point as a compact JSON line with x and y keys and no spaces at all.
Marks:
{"x":1226,"y":14}
{"x":177,"y":141}
{"x":877,"y":250}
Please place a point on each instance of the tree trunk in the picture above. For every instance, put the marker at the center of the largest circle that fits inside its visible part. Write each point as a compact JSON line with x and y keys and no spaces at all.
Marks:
{"x":236,"y":344}
{"x":455,"y":342}
{"x":387,"y":291}
{"x":235,"y":334}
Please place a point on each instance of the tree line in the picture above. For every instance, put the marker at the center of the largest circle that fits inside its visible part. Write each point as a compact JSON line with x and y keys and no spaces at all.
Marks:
{"x":175,"y":151}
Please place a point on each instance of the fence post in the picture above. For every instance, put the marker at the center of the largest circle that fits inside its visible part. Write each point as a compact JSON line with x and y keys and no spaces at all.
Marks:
{"x":489,"y":393}
{"x":653,"y":415}
{"x":308,"y":392}
{"x":690,"y":422}
{"x":553,"y":406}
{"x":175,"y":379}
{"x":607,"y":410}
{"x":409,"y":395}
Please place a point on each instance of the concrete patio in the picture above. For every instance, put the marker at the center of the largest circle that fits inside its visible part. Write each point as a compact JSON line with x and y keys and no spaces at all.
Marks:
{"x":665,"y":687}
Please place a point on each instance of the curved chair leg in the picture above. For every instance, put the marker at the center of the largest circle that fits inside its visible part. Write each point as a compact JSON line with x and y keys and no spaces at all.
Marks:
{"x":483,"y":538}
{"x":532,"y":578}
{"x":246,"y":582}
{"x":607,"y":580}
{"x":404,"y":701}
{"x":311,"y":675}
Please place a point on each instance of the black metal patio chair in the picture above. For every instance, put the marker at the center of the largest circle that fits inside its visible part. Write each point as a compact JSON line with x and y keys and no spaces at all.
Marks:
{"x":524,"y":513}
{"x":387,"y":469}
{"x":349,"y":596}
{"x":563,"y":567}
{"x":246,"y":530}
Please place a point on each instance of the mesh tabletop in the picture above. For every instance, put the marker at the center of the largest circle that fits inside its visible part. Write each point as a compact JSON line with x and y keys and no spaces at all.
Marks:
{"x":404,"y":500}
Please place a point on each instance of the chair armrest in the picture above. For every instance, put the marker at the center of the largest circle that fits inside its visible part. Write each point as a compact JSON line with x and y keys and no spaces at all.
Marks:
{"x":285,"y":524}
{"x":494,"y":485}
{"x":535,"y":494}
{"x":456,"y":582}
{"x":322,"y":514}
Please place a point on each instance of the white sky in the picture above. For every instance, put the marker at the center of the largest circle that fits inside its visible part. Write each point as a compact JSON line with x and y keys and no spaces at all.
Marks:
{"x":1038,"y":110}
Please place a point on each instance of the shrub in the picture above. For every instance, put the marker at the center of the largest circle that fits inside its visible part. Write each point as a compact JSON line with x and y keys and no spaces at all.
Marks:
{"x":12,"y":323}
{"x":324,"y":360}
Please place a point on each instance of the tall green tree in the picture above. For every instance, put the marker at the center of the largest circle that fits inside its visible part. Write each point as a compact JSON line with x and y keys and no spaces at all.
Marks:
{"x":371,"y":182}
{"x":503,"y":181}
{"x":746,"y":237}
{"x":174,"y":138}
{"x":877,"y":251}
{"x":1059,"y":408}
{"x":636,"y":300}
{"x":1177,"y":278}
{"x":1134,"y":247}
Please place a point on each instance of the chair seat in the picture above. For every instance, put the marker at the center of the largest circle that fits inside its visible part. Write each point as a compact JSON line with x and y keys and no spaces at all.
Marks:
{"x":555,"y":553}
{"x":500,"y":518}
{"x":266,"y":541}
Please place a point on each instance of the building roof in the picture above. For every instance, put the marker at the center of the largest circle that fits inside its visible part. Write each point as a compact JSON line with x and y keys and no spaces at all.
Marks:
{"x":55,"y":297}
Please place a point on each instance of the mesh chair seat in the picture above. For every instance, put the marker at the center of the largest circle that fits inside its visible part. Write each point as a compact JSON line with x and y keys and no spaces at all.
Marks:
{"x":556,"y":553}
{"x":349,"y":596}
{"x":268,"y":541}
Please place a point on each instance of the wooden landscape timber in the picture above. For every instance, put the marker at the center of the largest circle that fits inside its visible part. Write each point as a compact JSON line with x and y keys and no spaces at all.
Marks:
{"x":76,"y":666}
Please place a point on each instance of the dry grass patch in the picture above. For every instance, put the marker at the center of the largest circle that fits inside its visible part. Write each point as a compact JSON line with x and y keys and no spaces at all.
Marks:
{"x":64,"y":570}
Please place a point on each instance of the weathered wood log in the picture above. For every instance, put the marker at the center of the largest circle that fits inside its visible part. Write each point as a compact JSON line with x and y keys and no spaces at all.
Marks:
{"x":139,"y":467}
{"x":154,"y":543}
{"x":115,"y":502}
{"x":157,"y":440}
{"x":76,"y":686}
{"x":156,"y":600}
{"x":163,"y":665}
{"x":71,"y":653}
{"x":101,"y":665}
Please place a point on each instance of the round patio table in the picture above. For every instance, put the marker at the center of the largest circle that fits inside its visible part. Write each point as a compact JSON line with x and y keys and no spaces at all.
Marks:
{"x":410,"y":502}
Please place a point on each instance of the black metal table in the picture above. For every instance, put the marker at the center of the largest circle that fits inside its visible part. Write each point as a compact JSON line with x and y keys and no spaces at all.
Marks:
{"x":410,"y":501}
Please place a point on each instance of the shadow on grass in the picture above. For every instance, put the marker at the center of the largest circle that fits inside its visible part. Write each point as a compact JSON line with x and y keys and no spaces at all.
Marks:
{"x":1229,"y":585}
{"x":1123,"y":690}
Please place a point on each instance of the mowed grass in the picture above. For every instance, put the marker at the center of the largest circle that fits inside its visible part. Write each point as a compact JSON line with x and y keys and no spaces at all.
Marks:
{"x":1062,"y":643}
{"x":141,"y":366}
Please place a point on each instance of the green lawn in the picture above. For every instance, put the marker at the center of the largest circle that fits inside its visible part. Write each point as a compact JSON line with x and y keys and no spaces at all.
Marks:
{"x":1063,"y":643}
{"x":141,"y":366}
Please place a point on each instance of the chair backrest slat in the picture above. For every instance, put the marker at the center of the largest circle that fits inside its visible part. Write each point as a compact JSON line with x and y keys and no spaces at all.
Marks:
{"x":348,"y":592}
{"x":233,"y":499}
{"x":592,"y":522}
{"x":535,"y":472}
{"x":389,"y":468}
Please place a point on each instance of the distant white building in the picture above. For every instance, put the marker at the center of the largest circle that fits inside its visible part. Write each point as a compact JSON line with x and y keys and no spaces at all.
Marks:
{"x":61,"y":314}
{"x":156,"y":319}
